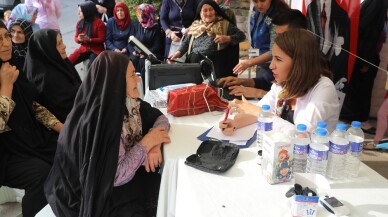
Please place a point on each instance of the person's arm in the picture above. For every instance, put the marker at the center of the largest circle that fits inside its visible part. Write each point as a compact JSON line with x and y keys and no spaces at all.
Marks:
{"x":8,"y":76}
{"x":6,"y":107}
{"x":45,"y":117}
{"x":76,"y":38}
{"x":235,"y":34}
{"x":99,"y":34}
{"x":164,"y":20}
{"x":156,"y":45}
{"x":109,"y":35}
{"x":58,"y":10}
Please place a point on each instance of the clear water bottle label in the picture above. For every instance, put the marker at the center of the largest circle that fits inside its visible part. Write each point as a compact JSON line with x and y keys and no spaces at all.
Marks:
{"x":356,"y":146}
{"x":301,"y":149}
{"x":338,"y":149}
{"x":318,"y":155}
{"x":263,"y":126}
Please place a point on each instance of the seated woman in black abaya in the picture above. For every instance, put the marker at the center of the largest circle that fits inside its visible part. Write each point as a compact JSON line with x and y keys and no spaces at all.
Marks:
{"x":49,"y":69}
{"x":110,"y":147}
{"x":28,"y":132}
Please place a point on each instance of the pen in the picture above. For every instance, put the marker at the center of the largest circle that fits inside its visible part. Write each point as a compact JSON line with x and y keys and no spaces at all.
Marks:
{"x":226,"y":114}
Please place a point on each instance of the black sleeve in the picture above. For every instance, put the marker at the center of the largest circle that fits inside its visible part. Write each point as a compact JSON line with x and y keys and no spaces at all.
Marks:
{"x":148,"y":115}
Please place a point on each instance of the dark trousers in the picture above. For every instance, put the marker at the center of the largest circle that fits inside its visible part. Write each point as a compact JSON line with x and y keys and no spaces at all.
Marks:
{"x":358,"y":97}
{"x":28,"y":174}
{"x":137,"y":198}
{"x":84,"y":56}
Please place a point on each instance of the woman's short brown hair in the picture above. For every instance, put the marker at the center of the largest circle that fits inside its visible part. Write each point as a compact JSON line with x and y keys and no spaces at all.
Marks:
{"x":307,"y":62}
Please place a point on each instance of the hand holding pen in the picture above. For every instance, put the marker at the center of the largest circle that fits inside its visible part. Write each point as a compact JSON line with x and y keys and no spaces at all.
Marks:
{"x":227,"y":125}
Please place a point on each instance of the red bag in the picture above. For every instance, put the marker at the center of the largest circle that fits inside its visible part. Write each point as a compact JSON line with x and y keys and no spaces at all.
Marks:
{"x":191,"y":100}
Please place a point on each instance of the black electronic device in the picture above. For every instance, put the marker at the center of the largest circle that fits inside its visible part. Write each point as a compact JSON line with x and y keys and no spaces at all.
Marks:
{"x":161,"y":75}
{"x":209,"y":76}
{"x":142,"y":49}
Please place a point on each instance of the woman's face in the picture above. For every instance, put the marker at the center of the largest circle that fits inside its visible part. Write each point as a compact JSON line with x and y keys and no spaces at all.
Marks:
{"x":61,"y":47}
{"x":208,"y":14}
{"x":18,"y":36}
{"x":5,"y":45}
{"x":80,"y":14}
{"x":281,"y":64}
{"x":262,"y":5}
{"x":132,"y":79}
{"x":120,"y":13}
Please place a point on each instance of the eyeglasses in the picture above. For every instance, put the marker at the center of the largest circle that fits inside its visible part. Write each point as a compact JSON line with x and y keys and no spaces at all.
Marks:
{"x":6,"y":36}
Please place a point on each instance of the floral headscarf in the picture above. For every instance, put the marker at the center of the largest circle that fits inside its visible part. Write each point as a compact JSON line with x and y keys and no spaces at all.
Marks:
{"x":123,"y":23}
{"x":146,"y":14}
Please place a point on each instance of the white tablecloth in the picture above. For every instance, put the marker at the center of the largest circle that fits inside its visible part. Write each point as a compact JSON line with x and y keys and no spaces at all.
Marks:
{"x":242,"y":190}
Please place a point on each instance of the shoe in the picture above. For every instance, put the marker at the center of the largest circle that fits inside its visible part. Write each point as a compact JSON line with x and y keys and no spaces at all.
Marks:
{"x":370,"y":146}
{"x":371,"y":130}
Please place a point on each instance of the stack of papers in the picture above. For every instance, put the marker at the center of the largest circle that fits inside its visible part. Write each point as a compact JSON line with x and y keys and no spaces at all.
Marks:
{"x":243,"y":137}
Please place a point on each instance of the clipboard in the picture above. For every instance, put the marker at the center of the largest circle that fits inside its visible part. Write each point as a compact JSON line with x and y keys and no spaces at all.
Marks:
{"x":204,"y":137}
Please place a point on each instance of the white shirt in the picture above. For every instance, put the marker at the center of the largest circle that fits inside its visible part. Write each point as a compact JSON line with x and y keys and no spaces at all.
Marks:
{"x":319,"y":104}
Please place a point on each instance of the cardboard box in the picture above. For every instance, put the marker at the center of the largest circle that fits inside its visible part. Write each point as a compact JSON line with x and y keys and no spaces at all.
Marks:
{"x":307,"y":206}
{"x":278,"y":152}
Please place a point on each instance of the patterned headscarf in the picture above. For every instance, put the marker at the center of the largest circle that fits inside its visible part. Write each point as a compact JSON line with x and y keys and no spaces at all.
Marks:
{"x":146,"y":14}
{"x":21,"y":49}
{"x":22,"y":11}
{"x":123,"y":23}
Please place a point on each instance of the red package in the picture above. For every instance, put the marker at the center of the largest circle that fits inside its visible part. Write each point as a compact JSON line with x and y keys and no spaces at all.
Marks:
{"x":191,"y":100}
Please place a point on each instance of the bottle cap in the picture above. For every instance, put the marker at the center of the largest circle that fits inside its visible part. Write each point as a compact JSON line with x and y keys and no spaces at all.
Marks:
{"x":265,"y":107}
{"x":301,"y":127}
{"x":321,"y":132}
{"x":321,"y":124}
{"x":356,"y":124}
{"x":340,"y":126}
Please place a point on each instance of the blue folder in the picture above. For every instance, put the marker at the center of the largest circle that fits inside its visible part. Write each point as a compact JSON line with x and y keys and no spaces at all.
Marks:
{"x":204,"y":137}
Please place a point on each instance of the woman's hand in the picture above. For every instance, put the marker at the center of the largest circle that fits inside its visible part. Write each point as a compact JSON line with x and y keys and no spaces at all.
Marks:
{"x":229,"y":81}
{"x":123,"y":51}
{"x":247,"y":92}
{"x":241,"y":67}
{"x":222,"y":39}
{"x":245,"y":107}
{"x":227,"y":127}
{"x":8,"y":76}
{"x":177,"y":54}
{"x":117,"y":50}
{"x":174,"y":37}
{"x":154,"y":159}
{"x":154,"y":137}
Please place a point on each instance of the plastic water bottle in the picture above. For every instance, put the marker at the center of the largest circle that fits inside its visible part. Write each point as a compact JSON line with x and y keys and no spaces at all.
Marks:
{"x":264,"y":124}
{"x":318,"y":155}
{"x":301,"y":142}
{"x":339,"y":144}
{"x":320,"y":125}
{"x":356,"y":140}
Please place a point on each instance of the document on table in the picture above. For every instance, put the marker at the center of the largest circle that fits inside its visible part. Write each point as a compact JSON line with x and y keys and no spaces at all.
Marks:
{"x":242,"y":137}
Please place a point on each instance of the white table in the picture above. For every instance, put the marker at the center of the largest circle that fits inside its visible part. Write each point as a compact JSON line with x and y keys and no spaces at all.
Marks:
{"x":242,"y":190}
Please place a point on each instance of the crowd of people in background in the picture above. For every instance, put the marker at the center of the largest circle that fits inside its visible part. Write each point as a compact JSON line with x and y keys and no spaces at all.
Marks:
{"x":110,"y":141}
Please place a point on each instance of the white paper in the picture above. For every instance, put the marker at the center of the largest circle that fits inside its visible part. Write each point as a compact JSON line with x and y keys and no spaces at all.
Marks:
{"x":244,"y":133}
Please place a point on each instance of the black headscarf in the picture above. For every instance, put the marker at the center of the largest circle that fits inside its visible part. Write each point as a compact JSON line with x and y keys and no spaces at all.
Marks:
{"x":89,"y":11}
{"x":27,"y":137}
{"x":56,"y":79}
{"x":81,"y":180}
{"x":216,"y":7}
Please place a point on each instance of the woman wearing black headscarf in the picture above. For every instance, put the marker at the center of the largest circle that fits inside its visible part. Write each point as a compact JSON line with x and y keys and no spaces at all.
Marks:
{"x":107,"y":136}
{"x":27,"y":145}
{"x":90,"y":33}
{"x":21,"y":31}
{"x":212,"y":34}
{"x":49,"y":69}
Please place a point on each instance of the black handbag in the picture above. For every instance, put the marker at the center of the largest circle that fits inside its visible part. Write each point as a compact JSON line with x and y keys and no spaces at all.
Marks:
{"x":214,"y":156}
